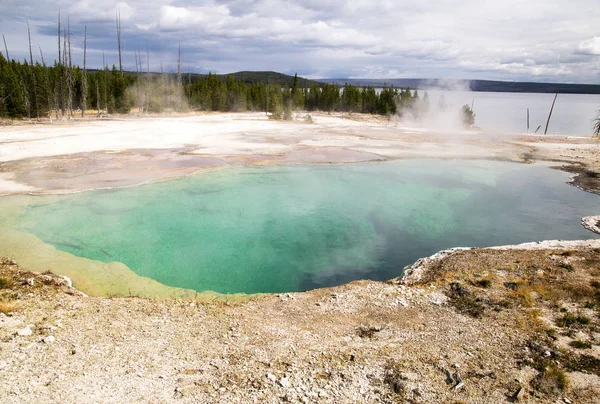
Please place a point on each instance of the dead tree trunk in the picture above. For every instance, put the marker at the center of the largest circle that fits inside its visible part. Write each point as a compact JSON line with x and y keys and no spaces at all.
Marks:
{"x":105,"y":78}
{"x":34,"y":81}
{"x":163,"y":85}
{"x":550,"y":114}
{"x":189,"y":94}
{"x":65,"y":64}
{"x":47,"y":85}
{"x":26,"y":98}
{"x":84,"y":78}
{"x":5,"y":48}
{"x":60,"y":96}
{"x":147,"y":79}
{"x":70,"y":67}
{"x":98,"y":93}
{"x":118,"y":18}
{"x":179,"y":79}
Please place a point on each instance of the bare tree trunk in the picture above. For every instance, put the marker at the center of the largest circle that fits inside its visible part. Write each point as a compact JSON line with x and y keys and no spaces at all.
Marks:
{"x":147,"y":78}
{"x":105,"y":77}
{"x":5,"y":48}
{"x":84,"y":78}
{"x":70,"y":67}
{"x":98,"y":93}
{"x":550,"y":114}
{"x":189,"y":88}
{"x":64,"y":83}
{"x":26,"y":98}
{"x":138,"y":68}
{"x":47,"y":85}
{"x":179,"y":79}
{"x":118,"y":17}
{"x":163,"y":89}
{"x":35,"y":99}
{"x":60,"y":96}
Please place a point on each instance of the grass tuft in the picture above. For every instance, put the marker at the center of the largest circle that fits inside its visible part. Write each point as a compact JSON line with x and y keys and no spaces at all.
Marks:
{"x":5,"y":283}
{"x":580,"y":344}
{"x":570,"y":319}
{"x":7,"y":306}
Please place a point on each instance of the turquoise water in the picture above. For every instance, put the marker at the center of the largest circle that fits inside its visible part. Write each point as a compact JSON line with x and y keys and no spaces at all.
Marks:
{"x":292,"y":228}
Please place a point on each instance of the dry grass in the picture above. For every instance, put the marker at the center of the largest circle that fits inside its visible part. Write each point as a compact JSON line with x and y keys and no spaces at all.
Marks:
{"x":7,"y":306}
{"x":5,"y":283}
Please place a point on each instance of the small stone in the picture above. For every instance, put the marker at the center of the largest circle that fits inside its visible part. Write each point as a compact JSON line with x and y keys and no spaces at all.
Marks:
{"x":68,"y":281}
{"x":456,"y":365}
{"x":49,"y":339}
{"x":25,"y":332}
{"x":547,"y":354}
{"x":271,"y":377}
{"x":285,"y":382}
{"x":519,"y":394}
{"x":566,"y":400}
{"x":30,"y":282}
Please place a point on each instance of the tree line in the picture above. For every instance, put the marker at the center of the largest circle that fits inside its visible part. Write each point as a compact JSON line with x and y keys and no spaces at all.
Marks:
{"x":63,"y":90}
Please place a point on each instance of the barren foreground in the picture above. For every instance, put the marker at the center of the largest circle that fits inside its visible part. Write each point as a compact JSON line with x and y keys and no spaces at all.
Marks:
{"x":475,"y":326}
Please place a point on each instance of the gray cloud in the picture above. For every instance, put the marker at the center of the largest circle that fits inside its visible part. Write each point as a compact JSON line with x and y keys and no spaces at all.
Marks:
{"x":511,"y":40}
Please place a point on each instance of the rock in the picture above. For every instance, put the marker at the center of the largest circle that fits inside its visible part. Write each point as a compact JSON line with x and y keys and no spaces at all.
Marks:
{"x":510,"y":285}
{"x":46,"y":279}
{"x":25,"y":332}
{"x":519,"y":394}
{"x":49,"y":339}
{"x":271,"y":377}
{"x":285,"y":382}
{"x":566,"y":400}
{"x":68,"y":281}
{"x":29,"y":282}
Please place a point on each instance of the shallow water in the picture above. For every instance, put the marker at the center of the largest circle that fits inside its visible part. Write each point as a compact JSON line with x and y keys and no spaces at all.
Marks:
{"x":293,"y":228}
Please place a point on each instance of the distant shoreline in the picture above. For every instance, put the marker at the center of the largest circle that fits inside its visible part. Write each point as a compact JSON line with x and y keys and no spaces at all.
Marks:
{"x":474,"y":85}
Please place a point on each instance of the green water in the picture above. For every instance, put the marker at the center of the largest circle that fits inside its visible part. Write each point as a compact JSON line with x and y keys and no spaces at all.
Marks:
{"x":291,"y":228}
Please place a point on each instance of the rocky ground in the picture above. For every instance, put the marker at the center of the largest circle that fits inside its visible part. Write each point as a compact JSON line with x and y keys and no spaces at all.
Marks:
{"x":470,"y":326}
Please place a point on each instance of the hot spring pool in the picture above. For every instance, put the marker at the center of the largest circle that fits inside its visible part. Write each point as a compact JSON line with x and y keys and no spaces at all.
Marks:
{"x":293,"y":228}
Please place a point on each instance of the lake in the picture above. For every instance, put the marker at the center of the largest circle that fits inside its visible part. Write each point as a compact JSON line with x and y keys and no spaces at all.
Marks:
{"x":506,"y":112}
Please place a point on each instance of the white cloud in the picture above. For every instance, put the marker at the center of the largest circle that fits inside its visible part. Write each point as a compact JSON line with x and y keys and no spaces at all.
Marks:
{"x":590,"y":46}
{"x":512,"y":39}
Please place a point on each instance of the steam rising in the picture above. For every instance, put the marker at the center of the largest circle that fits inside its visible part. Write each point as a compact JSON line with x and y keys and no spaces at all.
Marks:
{"x":434,"y":110}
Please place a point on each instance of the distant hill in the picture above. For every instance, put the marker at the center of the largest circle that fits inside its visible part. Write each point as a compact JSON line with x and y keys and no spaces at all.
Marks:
{"x":271,"y":78}
{"x":247,"y":77}
{"x":474,"y":85}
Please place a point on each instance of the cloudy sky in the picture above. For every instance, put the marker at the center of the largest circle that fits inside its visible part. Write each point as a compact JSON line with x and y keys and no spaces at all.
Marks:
{"x":536,"y":40}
